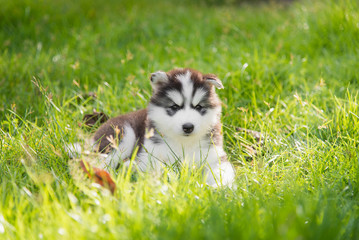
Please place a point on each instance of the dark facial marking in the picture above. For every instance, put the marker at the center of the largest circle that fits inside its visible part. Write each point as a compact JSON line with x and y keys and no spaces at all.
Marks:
{"x":161,"y":99}
{"x":171,"y":110}
{"x":206,"y":102}
{"x":199,"y":108}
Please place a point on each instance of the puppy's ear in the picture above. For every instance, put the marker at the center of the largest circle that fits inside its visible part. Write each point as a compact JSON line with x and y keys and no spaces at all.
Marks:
{"x":157,"y":79}
{"x":213,"y":80}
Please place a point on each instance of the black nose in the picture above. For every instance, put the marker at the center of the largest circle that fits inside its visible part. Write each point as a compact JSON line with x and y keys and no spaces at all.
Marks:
{"x":188,"y":127}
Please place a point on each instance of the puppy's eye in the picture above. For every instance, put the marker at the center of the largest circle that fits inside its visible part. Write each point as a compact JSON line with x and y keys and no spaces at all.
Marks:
{"x":198,"y":107}
{"x":174,"y":107}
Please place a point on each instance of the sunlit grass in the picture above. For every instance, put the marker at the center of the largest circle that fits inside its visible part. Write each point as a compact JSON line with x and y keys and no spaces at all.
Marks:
{"x":289,"y":71}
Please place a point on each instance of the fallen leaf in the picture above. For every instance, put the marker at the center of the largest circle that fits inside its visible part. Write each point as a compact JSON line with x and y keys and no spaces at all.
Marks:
{"x":99,"y":176}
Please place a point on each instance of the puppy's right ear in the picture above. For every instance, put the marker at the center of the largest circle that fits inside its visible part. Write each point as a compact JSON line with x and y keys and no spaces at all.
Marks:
{"x":158,"y":79}
{"x":213,"y":80}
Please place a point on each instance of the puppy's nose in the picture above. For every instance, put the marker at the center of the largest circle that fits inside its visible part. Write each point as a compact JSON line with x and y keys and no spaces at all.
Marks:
{"x":188,"y":127}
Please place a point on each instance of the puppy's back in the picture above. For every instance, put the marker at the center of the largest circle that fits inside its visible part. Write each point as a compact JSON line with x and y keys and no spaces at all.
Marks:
{"x":135,"y":120}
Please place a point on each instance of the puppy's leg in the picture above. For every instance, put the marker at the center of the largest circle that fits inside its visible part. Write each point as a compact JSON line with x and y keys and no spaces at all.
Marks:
{"x":220,"y":174}
{"x":218,"y":170}
{"x":122,"y":151}
{"x":73,"y":150}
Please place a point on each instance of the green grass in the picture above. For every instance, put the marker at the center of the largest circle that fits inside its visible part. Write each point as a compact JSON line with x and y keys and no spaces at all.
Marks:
{"x":289,"y":71}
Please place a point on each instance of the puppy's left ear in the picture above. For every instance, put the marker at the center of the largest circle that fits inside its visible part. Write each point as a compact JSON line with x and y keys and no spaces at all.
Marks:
{"x":213,"y":80}
{"x":157,"y":79}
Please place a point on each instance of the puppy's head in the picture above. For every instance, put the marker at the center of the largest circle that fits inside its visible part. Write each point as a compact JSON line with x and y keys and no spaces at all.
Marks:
{"x":184,"y":104}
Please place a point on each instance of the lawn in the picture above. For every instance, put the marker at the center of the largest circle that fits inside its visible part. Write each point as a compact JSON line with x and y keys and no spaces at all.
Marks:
{"x":290,"y":71}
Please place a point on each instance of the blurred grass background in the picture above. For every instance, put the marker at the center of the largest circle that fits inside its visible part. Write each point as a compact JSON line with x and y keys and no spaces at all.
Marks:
{"x":290,"y":70}
{"x":287,"y":47}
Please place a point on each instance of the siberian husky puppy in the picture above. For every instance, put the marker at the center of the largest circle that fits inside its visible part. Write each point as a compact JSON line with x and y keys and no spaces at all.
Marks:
{"x":180,"y":125}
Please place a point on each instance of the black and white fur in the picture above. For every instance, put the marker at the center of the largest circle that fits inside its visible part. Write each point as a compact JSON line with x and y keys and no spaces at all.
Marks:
{"x":181,"y":124}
